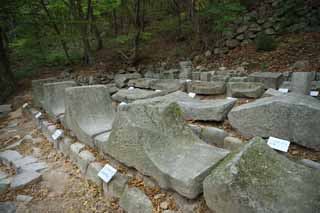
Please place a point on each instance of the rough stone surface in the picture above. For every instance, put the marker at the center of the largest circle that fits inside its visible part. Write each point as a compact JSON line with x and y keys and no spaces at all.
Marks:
{"x":186,"y":70}
{"x":258,"y":179}
{"x":212,"y":135}
{"x":232,"y":143}
{"x":143,"y":83}
{"x":125,"y":95}
{"x":35,"y":167}
{"x":23,"y":161}
{"x":4,"y":185}
{"x":92,"y":172}
{"x":8,"y":156}
{"x":37,"y":90}
{"x":245,"y":89}
{"x":291,"y":117}
{"x":206,"y":110}
{"x":219,"y":78}
{"x":24,"y":198}
{"x":271,"y":92}
{"x":27,"y":177}
{"x":3,"y":175}
{"x":5,"y":109}
{"x":311,"y":164}
{"x":207,"y":88}
{"x":122,"y":79}
{"x":239,"y":79}
{"x":53,"y":101}
{"x":269,"y":79}
{"x":65,"y":145}
{"x":151,"y":136}
{"x":75,"y":149}
{"x":8,"y":207}
{"x":205,"y":76}
{"x":301,"y":82}
{"x":116,"y":186}
{"x":135,"y":201}
{"x":89,"y":112}
{"x":84,"y":159}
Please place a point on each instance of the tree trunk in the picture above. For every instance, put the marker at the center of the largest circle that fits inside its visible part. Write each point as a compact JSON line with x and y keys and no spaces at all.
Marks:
{"x":7,"y":81}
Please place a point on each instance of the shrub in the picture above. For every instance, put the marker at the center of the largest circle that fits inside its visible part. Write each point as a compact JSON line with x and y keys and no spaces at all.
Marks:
{"x":265,"y":43}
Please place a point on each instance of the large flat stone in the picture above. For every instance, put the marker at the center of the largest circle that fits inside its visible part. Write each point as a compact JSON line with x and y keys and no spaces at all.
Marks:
{"x":292,"y":117}
{"x":35,"y":167}
{"x":135,"y":201}
{"x":27,"y":177}
{"x":301,"y":82}
{"x":245,"y":89}
{"x":23,"y":161}
{"x":89,"y":112}
{"x":53,"y":101}
{"x":258,"y":179}
{"x":38,"y":92}
{"x":206,"y":110}
{"x":152,"y":136}
{"x":9,"y":156}
{"x":128,"y":96}
{"x":207,"y":88}
{"x":269,"y":79}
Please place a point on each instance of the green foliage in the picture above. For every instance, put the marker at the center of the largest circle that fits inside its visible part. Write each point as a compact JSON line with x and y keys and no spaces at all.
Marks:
{"x":265,"y":43}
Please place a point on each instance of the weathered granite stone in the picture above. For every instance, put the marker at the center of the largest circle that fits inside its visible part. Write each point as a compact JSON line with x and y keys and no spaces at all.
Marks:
{"x":135,"y":201}
{"x":286,"y":85}
{"x":116,"y":186}
{"x":27,"y":177}
{"x":121,"y":80}
{"x":92,"y":172}
{"x":112,"y":88}
{"x":207,"y":88}
{"x":8,"y":156}
{"x":75,"y":149}
{"x":37,"y":90}
{"x":239,"y":79}
{"x":24,"y":198}
{"x":5,"y":109}
{"x":301,"y":82}
{"x":206,"y":110}
{"x":291,"y":117}
{"x":143,"y":83}
{"x":89,"y":112}
{"x":213,"y":136}
{"x":222,"y":78}
{"x":170,"y":74}
{"x":258,"y":179}
{"x":125,"y":95}
{"x":100,"y":140}
{"x":65,"y":145}
{"x":8,"y":207}
{"x":35,"y":167}
{"x":196,"y":76}
{"x":4,"y":185}
{"x":53,"y":101}
{"x":168,"y":85}
{"x":269,"y":79}
{"x":84,"y":159}
{"x":151,"y":136}
{"x":186,"y":70}
{"x":23,"y":161}
{"x":271,"y":92}
{"x":206,"y":76}
{"x":232,"y":143}
{"x":245,"y":89}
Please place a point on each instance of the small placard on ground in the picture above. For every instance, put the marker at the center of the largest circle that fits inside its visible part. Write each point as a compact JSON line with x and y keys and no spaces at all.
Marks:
{"x":192,"y":95}
{"x":131,"y":88}
{"x":25,"y":105}
{"x":107,"y":172}
{"x":283,"y":90}
{"x":279,"y":144}
{"x":57,"y":134}
{"x":38,"y":115}
{"x":314,"y":93}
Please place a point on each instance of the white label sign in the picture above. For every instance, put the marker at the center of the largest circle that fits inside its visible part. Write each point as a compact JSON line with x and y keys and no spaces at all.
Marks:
{"x":25,"y":105}
{"x":107,"y":172}
{"x":314,"y":93}
{"x":283,"y":90}
{"x":278,"y":144}
{"x":192,"y":95}
{"x":57,"y":134}
{"x":38,"y":115}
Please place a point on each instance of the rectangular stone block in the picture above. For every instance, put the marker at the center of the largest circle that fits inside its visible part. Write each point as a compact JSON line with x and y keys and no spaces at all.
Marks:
{"x":301,"y":82}
{"x":269,"y":79}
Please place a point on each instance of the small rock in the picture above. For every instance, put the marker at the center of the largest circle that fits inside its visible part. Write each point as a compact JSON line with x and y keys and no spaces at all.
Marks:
{"x":24,"y":198}
{"x":135,"y":201}
{"x":164,"y":205}
{"x":232,"y":143}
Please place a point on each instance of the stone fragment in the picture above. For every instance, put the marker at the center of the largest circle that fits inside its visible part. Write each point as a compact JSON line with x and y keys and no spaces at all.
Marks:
{"x":8,"y":156}
{"x":151,"y":136}
{"x":213,"y":136}
{"x":92,"y":172}
{"x":185,"y":70}
{"x":84,"y":159}
{"x":116,"y":186}
{"x":135,"y":201}
{"x":38,"y":92}
{"x":89,"y":112}
{"x":27,"y":177}
{"x":232,"y":143}
{"x":142,"y":83}
{"x":258,"y":179}
{"x":23,"y":161}
{"x":239,"y":79}
{"x":35,"y":167}
{"x":271,"y":92}
{"x":75,"y":149}
{"x":5,"y":109}
{"x":65,"y":145}
{"x":244,"y":89}
{"x":291,"y":117}
{"x":301,"y":82}
{"x":205,"y":76}
{"x":24,"y":198}
{"x":8,"y":207}
{"x":170,"y":74}
{"x":112,"y":88}
{"x":196,"y":76}
{"x":53,"y":101}
{"x":218,"y":78}
{"x":206,"y":110}
{"x":269,"y":79}
{"x":121,"y":80}
{"x":3,"y":175}
{"x":4,"y":185}
{"x":206,"y":88}
{"x":125,"y":95}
